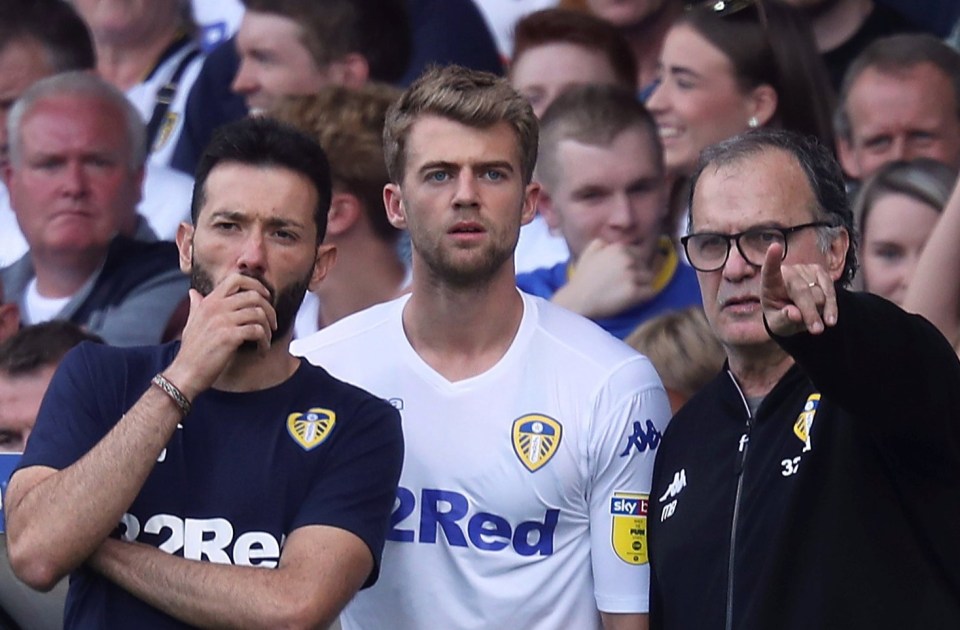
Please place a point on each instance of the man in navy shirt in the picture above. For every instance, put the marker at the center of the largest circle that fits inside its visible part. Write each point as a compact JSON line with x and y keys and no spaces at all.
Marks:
{"x":222,"y":455}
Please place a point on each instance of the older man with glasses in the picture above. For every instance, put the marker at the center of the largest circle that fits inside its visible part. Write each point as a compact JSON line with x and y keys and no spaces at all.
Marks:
{"x":815,"y":483}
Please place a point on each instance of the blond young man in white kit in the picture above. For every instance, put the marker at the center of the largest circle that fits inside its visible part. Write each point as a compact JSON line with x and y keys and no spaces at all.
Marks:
{"x":530,"y":433}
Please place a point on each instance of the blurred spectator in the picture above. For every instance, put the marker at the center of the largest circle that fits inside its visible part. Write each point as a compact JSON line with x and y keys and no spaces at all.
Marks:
{"x":897,"y":209}
{"x":502,"y":15}
{"x":843,"y":28}
{"x":28,"y":360}
{"x":74,"y":178}
{"x":9,"y":317}
{"x":556,"y":49}
{"x":683,"y":348}
{"x":291,"y":48}
{"x":730,"y":67}
{"x":601,"y":168}
{"x":149,"y":50}
{"x":644,"y":24}
{"x":27,"y":363}
{"x":44,"y":37}
{"x":217,"y":20}
{"x":449,"y":32}
{"x":899,"y":100}
{"x":348,"y":124}
{"x":37,"y":38}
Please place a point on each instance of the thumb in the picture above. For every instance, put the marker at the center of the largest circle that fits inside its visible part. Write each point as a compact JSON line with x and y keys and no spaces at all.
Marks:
{"x":195,"y":299}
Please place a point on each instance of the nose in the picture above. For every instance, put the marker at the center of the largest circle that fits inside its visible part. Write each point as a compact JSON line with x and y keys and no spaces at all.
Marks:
{"x":659,"y":100}
{"x":252,"y":256}
{"x":621,"y":215}
{"x":899,"y":149}
{"x":465,"y":194}
{"x":74,"y":182}
{"x":737,"y":267}
{"x":244,"y":81}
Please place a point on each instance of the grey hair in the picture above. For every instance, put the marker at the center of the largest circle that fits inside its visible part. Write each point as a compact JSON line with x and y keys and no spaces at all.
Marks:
{"x":822,"y":172}
{"x":87,"y":85}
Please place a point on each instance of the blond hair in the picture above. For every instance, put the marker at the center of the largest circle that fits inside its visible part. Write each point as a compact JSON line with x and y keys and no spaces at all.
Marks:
{"x":470,"y":97}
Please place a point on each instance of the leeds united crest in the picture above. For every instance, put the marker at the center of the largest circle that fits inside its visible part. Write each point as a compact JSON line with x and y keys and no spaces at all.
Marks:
{"x":535,"y":439}
{"x":311,"y":428}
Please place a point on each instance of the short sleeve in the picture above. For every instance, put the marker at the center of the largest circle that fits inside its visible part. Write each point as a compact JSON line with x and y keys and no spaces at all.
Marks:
{"x":359,"y":485}
{"x":631,"y":413}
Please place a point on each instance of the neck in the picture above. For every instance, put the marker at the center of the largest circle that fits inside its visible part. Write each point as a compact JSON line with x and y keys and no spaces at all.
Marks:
{"x":62,"y":275}
{"x":366,"y":273}
{"x":646,"y":40}
{"x":250,"y":371}
{"x":125,"y":63}
{"x":759,"y":368}
{"x":838,"y":22}
{"x":462,"y":332}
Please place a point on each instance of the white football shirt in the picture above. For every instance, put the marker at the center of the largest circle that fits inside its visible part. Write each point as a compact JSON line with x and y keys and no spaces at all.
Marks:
{"x":522,"y":502}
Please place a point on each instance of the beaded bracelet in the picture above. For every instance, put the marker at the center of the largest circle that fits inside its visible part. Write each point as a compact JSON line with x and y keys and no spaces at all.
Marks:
{"x":174,"y":393}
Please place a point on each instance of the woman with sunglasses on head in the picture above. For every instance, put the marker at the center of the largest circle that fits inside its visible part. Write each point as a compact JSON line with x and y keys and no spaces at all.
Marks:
{"x":727,"y":67}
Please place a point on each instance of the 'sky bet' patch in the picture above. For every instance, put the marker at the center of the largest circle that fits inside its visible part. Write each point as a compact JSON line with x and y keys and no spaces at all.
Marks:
{"x":535,"y":439}
{"x":311,"y":428}
{"x":629,"y":537}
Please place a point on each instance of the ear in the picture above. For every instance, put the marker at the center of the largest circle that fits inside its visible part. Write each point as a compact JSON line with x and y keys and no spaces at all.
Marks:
{"x":9,"y":320}
{"x":763,"y":103}
{"x":326,"y":257}
{"x":837,"y":254}
{"x":847,"y":156}
{"x":185,"y":245}
{"x":531,"y":194}
{"x":351,"y":71}
{"x":396,"y":209}
{"x":549,"y":212}
{"x":345,"y":211}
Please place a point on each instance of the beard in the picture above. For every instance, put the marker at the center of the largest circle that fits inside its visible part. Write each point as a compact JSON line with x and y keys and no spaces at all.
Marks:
{"x":286,"y":302}
{"x":460,"y":269}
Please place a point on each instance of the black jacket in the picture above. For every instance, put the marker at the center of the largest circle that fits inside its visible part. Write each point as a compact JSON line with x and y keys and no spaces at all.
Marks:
{"x":859,"y":527}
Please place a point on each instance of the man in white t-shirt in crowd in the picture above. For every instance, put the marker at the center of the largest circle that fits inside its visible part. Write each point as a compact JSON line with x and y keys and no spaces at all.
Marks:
{"x":530,"y":433}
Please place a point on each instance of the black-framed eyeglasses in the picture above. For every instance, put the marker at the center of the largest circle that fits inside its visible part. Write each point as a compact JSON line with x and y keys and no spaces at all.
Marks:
{"x":708,"y":251}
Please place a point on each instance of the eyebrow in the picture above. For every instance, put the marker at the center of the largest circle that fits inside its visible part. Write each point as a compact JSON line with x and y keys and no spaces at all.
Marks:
{"x":238,"y":216}
{"x":444,"y":165}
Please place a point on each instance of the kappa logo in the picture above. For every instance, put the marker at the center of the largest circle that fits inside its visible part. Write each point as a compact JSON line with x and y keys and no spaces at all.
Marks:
{"x":312,"y":428}
{"x":805,"y":421}
{"x":642,"y":439}
{"x":535,"y":439}
{"x":676,"y":486}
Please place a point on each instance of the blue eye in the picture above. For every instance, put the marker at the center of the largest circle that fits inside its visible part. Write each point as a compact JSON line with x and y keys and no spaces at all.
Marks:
{"x":493,"y":175}
{"x":437,"y":176}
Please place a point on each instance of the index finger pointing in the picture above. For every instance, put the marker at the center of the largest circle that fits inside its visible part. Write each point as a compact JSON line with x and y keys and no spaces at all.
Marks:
{"x":771,"y":274}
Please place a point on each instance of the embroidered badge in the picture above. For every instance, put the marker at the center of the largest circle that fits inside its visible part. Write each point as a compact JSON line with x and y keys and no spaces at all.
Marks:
{"x":167,"y":127}
{"x":629,"y":535}
{"x":310,"y":429}
{"x":804,"y":423}
{"x":535,"y":439}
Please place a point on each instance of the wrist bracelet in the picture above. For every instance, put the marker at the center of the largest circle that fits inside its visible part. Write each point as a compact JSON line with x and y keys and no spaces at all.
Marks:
{"x":174,"y":393}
